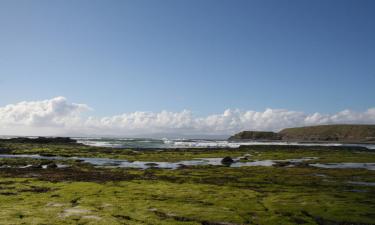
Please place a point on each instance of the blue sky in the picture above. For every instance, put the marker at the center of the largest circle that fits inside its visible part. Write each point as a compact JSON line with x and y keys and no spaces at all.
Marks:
{"x":204,"y":56}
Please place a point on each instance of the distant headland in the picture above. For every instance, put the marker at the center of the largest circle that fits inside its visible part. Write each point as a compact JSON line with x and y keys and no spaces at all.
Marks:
{"x":343,"y":133}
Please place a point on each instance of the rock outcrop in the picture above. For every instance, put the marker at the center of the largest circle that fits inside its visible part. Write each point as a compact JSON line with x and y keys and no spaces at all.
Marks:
{"x":255,"y":135}
{"x":227,"y":160}
{"x":41,"y":140}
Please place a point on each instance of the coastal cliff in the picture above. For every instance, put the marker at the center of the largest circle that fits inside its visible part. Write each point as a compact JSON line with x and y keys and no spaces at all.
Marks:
{"x":354,"y":133}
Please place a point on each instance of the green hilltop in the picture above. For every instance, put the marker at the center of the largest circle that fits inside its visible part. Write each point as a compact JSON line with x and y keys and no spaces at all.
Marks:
{"x":321,"y":133}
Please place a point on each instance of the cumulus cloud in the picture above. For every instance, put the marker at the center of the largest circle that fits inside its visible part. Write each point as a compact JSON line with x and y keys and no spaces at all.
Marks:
{"x":58,"y":116}
{"x":39,"y":115}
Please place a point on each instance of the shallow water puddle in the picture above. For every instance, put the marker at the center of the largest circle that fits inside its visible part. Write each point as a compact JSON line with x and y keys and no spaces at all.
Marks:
{"x":105,"y":162}
{"x":369,"y":166}
{"x":361,"y":183}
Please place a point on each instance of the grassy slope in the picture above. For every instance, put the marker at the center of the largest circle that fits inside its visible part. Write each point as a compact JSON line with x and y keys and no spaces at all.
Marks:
{"x":339,"y":132}
{"x":330,"y":133}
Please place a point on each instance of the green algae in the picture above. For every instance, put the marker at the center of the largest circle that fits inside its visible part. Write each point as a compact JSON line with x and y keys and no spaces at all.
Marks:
{"x":268,"y":197}
{"x":84,"y":194}
{"x":324,"y":154}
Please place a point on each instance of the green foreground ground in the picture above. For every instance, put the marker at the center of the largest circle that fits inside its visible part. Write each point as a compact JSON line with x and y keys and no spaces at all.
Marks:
{"x":207,"y":195}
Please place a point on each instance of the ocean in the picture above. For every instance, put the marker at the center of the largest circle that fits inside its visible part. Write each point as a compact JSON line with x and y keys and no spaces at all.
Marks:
{"x":189,"y":143}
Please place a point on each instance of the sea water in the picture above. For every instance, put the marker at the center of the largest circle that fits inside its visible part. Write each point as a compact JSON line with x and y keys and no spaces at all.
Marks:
{"x":191,"y":143}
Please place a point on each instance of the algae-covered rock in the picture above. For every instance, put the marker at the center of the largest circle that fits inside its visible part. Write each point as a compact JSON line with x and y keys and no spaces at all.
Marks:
{"x":41,"y":140}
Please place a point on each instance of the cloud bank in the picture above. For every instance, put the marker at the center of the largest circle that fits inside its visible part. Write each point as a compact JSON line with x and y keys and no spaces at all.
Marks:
{"x":58,"y":116}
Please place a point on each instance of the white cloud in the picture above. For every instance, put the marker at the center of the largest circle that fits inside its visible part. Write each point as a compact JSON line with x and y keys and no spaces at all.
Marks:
{"x":58,"y":116}
{"x":36,"y":116}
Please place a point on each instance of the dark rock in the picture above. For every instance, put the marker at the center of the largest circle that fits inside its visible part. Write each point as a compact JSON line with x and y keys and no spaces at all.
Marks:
{"x":283,"y":164}
{"x":255,"y":135}
{"x":227,"y":160}
{"x":41,"y":140}
{"x":151,"y":164}
{"x":183,"y":166}
{"x":51,"y":165}
{"x":37,"y":166}
{"x":47,"y":155}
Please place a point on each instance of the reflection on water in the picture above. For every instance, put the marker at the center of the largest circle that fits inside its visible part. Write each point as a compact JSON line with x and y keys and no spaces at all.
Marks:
{"x":369,"y":166}
{"x":105,"y":162}
{"x":360,"y":183}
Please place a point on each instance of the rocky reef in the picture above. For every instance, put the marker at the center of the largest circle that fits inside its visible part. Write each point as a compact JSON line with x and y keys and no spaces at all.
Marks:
{"x":40,"y":140}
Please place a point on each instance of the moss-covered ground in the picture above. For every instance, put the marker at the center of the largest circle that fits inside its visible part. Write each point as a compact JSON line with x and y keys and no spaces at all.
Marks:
{"x":84,"y":194}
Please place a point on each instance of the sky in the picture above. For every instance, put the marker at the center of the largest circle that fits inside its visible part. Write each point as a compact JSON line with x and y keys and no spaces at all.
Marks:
{"x":120,"y":67}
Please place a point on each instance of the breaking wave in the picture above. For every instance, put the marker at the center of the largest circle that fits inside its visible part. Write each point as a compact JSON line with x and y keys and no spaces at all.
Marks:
{"x":190,"y":143}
